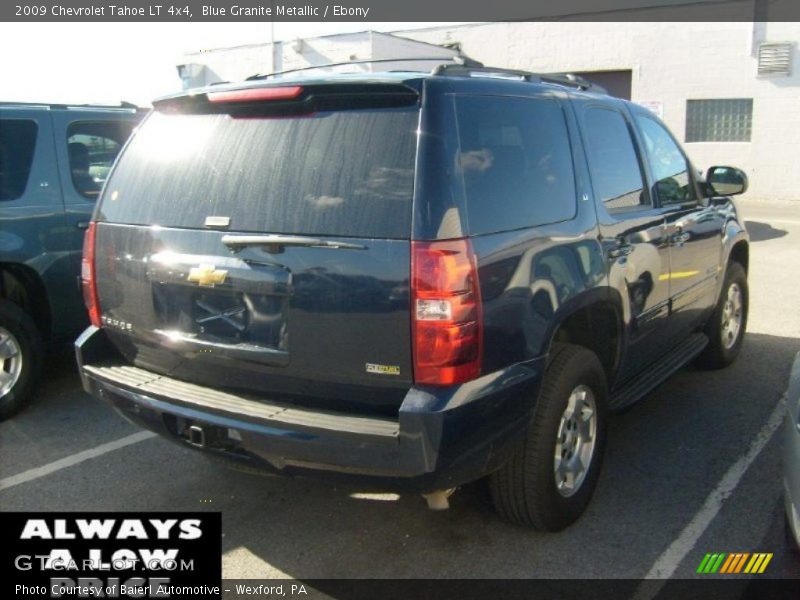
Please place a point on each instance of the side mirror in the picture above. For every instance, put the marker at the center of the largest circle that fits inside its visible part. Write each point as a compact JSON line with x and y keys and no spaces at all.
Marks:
{"x":726,"y":181}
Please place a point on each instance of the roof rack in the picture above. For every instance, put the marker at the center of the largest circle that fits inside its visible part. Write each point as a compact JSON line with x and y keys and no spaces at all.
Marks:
{"x":457,"y":61}
{"x":572,"y":80}
{"x":122,"y":105}
{"x":565,"y":79}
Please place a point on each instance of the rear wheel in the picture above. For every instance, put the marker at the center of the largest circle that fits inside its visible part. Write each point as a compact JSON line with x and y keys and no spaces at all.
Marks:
{"x":726,"y":327}
{"x":20,"y":358}
{"x":549,"y":481}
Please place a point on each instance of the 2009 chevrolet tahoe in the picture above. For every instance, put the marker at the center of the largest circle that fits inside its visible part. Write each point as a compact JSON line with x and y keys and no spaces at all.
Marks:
{"x":412,"y":280}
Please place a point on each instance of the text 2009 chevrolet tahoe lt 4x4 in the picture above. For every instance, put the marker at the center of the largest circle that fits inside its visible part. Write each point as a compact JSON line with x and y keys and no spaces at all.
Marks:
{"x":410,"y":280}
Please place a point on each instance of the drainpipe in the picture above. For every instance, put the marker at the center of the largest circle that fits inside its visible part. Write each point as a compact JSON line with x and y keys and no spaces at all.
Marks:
{"x":759,"y":31}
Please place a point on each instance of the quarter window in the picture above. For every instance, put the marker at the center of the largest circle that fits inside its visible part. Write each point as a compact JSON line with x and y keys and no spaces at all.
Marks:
{"x":92,"y":148}
{"x":17,"y":146}
{"x":613,"y":164}
{"x":668,"y":164}
{"x":516,"y":162}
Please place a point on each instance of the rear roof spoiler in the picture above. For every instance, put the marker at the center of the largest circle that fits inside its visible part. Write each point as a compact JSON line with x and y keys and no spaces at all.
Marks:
{"x":292,"y":98}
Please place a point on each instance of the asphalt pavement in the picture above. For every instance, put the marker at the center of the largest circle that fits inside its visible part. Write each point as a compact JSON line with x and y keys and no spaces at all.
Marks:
{"x":692,"y":469}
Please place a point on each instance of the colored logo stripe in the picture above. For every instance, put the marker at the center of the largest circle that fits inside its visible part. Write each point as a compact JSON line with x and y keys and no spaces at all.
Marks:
{"x":733,"y":563}
{"x":711,"y":563}
{"x":758,"y":563}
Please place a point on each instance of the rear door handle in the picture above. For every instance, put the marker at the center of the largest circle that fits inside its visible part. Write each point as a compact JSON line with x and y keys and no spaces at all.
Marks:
{"x":680,"y":238}
{"x":82,"y":224}
{"x":620,"y":250}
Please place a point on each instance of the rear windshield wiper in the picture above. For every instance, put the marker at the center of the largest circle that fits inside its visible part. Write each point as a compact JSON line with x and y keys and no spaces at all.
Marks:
{"x":276,"y":243}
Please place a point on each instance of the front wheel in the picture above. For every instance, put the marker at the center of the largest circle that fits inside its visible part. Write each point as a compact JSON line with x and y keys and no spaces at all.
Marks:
{"x":20,"y":358}
{"x":726,"y":327}
{"x":549,"y":480}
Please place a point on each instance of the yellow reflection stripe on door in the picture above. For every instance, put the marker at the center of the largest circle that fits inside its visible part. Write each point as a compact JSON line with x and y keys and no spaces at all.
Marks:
{"x":677,"y":275}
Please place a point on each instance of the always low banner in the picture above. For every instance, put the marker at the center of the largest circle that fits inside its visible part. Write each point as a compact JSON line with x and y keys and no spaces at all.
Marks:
{"x":111,"y":555}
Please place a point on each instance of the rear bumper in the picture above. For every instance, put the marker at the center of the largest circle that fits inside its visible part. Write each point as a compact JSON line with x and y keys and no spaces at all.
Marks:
{"x":441,"y":437}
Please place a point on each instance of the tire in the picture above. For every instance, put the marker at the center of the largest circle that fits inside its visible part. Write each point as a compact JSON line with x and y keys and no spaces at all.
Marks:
{"x":20,"y":358}
{"x":722,"y":349}
{"x":525,"y":491}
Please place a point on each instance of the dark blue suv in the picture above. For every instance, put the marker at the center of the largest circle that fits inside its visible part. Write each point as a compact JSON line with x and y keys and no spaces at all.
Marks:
{"x":53,"y":162}
{"x":410,"y":280}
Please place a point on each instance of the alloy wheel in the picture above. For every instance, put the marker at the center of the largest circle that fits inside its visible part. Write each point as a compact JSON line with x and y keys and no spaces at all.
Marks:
{"x":575,"y":441}
{"x":10,"y":361}
{"x":732,"y":316}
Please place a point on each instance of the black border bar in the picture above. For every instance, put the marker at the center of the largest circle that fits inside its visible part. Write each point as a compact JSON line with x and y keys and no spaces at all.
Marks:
{"x":396,"y":11}
{"x":705,"y":587}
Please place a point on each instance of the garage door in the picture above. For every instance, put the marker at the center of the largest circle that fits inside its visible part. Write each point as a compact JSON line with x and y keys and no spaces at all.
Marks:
{"x":618,"y":83}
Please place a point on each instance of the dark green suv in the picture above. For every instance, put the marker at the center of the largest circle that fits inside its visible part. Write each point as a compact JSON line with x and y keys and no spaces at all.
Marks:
{"x":54,"y":160}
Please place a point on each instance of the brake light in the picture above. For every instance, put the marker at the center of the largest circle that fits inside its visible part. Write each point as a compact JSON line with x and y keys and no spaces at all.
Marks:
{"x":446,"y":312}
{"x":256,"y":94}
{"x":88,"y":276}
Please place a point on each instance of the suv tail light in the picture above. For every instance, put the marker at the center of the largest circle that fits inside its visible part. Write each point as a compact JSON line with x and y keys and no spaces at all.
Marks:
{"x":446,"y":312}
{"x":88,"y":279}
{"x":256,"y":94}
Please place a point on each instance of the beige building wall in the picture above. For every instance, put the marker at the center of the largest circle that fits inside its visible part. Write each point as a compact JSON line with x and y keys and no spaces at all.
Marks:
{"x":236,"y":64}
{"x":670,"y":63}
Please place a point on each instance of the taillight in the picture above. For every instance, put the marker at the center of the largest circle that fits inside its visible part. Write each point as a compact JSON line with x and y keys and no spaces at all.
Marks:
{"x":88,"y":276}
{"x":446,"y":312}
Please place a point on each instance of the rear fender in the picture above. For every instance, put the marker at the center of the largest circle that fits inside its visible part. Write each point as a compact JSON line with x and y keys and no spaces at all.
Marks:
{"x":584,"y":320}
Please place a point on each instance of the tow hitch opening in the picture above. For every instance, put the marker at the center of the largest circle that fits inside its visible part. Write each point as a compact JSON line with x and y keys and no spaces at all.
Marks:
{"x":197,"y":437}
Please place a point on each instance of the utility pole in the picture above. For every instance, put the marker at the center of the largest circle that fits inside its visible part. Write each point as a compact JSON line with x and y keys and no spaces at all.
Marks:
{"x":272,"y":38}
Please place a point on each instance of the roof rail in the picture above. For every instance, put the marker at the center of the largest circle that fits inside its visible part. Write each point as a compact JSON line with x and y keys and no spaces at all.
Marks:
{"x":457,"y":60}
{"x":457,"y":70}
{"x":565,"y":79}
{"x":572,"y":80}
{"x":122,"y":105}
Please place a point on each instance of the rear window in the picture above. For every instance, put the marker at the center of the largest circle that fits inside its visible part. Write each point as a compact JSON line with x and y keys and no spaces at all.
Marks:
{"x":516,"y":162}
{"x":92,"y":147}
{"x":17,"y":144}
{"x":346,"y":173}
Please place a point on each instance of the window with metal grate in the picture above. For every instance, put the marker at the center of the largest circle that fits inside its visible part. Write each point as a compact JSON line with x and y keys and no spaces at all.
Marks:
{"x":775,"y":58}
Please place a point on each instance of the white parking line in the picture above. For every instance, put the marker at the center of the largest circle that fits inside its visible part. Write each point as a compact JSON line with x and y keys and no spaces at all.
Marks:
{"x":74,"y":459}
{"x":666,"y":564}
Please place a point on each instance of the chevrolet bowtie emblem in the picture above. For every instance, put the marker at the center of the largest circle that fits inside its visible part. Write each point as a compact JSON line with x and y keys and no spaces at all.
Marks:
{"x":207,"y":275}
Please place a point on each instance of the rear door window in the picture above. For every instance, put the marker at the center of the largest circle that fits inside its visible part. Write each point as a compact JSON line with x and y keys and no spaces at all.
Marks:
{"x":92,"y":148}
{"x":346,"y":173}
{"x":613,"y":164}
{"x":516,"y":162}
{"x":17,"y":147}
